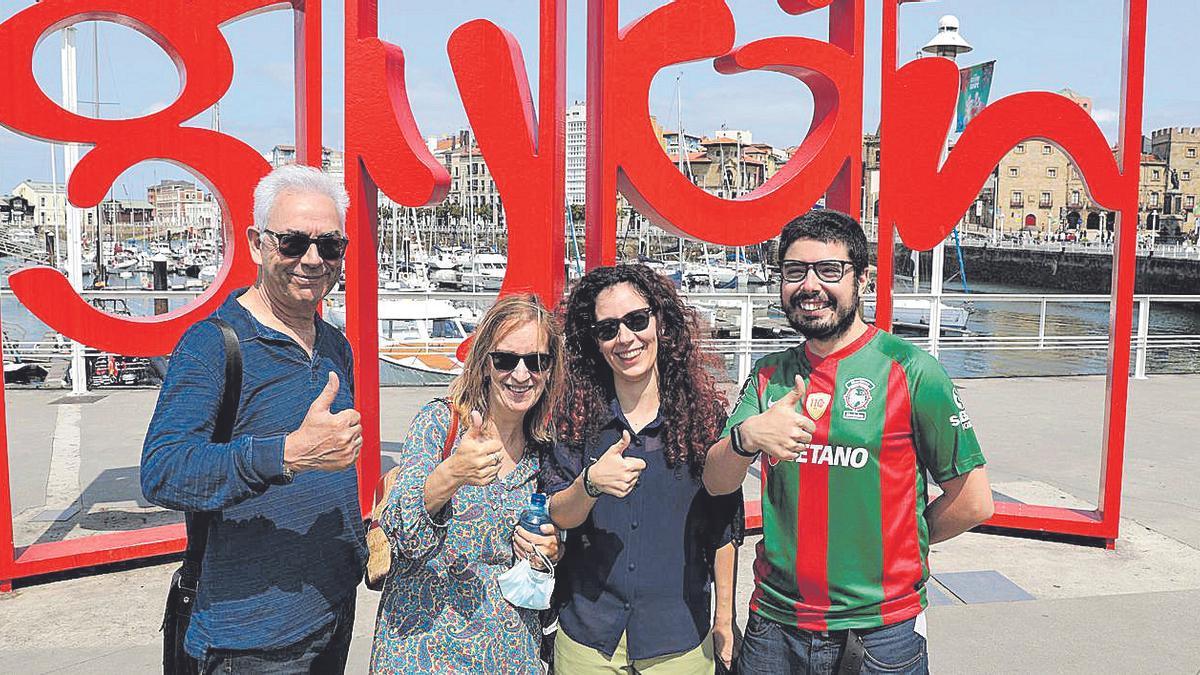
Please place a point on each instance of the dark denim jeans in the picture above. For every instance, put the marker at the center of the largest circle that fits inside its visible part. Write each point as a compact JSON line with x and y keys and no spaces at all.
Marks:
{"x":322,"y":652}
{"x":770,"y":648}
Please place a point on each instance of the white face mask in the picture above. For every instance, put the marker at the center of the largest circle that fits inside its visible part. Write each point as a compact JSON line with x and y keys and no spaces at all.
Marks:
{"x":526,"y":587}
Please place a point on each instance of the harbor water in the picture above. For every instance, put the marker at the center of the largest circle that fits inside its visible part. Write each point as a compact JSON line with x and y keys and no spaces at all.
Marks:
{"x":1075,"y":332}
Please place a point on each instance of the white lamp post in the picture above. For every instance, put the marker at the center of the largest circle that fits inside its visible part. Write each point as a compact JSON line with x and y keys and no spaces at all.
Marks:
{"x":947,"y":43}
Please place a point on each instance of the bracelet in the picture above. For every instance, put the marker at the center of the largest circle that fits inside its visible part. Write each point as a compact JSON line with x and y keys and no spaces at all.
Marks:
{"x":591,"y":490}
{"x":735,"y":443}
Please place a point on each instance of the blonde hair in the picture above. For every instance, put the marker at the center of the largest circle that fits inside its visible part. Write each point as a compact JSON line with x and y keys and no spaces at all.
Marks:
{"x":469,"y":391}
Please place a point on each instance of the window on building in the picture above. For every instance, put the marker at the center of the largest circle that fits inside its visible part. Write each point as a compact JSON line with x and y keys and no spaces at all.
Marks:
{"x":1020,"y":149}
{"x":1191,"y":152}
{"x":1191,"y":202}
{"x":1013,"y":172}
{"x":1186,"y":175}
{"x":1015,"y":198}
{"x":1044,"y":201}
{"x":1051,"y":172}
{"x":1075,"y":198}
{"x":1157,"y":175}
{"x":1153,"y":199}
{"x":1045,"y":149}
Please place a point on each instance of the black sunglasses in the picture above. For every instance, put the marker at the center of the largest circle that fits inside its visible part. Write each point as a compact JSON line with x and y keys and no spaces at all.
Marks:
{"x":330,"y":247}
{"x":535,"y":362}
{"x":637,"y":320}
{"x":829,"y":271}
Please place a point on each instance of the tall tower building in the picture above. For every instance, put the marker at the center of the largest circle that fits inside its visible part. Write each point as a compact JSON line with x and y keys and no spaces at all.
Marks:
{"x":576,"y":153}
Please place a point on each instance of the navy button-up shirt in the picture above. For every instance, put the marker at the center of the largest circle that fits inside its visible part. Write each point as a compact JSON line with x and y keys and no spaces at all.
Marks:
{"x":280,"y":557}
{"x":641,"y":565}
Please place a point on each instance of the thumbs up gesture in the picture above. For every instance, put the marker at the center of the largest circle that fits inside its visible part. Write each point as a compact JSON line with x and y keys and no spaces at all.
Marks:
{"x":781,"y":432}
{"x":325,"y":441}
{"x":614,"y":473}
{"x":479,"y":454}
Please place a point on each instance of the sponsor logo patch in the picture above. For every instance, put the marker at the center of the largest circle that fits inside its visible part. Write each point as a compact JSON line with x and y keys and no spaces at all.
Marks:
{"x":856,"y":398}
{"x":831,"y":455}
{"x":962,"y":419}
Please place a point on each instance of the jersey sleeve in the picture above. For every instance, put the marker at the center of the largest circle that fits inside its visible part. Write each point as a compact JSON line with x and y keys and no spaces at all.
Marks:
{"x":944,"y":433}
{"x":747,"y":406}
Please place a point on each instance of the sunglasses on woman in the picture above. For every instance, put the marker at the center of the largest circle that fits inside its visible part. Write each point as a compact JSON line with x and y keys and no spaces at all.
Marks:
{"x":535,"y":362}
{"x":330,"y":247}
{"x":636,"y":321}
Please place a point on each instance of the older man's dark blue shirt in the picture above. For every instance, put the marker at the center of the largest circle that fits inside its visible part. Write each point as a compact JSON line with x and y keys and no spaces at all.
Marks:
{"x":280,"y":557}
{"x":641,"y":565}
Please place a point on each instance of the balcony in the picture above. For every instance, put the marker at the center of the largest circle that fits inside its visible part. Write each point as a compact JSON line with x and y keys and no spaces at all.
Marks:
{"x":1016,"y":202}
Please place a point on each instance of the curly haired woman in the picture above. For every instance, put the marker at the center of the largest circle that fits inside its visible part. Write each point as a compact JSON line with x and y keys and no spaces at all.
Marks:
{"x":645,"y":540}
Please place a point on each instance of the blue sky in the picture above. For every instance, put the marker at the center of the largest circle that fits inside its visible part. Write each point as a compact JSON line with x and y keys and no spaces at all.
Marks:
{"x":1037,"y":44}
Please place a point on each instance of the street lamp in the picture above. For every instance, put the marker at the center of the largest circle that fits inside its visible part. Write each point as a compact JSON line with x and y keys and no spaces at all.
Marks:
{"x":947,"y":43}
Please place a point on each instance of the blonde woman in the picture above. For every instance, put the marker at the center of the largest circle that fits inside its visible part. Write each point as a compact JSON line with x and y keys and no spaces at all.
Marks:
{"x":451,"y":521}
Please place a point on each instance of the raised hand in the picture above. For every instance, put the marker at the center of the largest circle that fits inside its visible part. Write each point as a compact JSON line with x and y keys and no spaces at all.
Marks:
{"x":479,"y":454}
{"x":781,"y":432}
{"x":325,"y":441}
{"x":614,"y":473}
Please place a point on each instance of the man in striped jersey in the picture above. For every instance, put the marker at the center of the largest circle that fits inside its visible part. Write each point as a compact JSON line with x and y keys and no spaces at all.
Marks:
{"x":847,"y":426}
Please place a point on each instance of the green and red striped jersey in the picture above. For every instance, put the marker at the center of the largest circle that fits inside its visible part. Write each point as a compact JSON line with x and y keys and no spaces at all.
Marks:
{"x":844,"y":535}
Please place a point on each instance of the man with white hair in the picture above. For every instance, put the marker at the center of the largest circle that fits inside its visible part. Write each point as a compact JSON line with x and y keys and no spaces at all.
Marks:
{"x":284,"y":530}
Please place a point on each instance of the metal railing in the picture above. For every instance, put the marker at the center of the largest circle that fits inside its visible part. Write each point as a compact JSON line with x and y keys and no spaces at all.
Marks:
{"x":1174,"y":251}
{"x":737,"y":315}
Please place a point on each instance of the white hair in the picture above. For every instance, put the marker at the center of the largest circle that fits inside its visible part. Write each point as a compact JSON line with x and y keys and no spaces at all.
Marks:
{"x":297,"y":178}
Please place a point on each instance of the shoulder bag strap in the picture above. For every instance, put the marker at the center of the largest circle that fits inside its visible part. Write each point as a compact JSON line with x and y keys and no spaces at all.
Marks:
{"x":197,"y":523}
{"x":452,"y":432}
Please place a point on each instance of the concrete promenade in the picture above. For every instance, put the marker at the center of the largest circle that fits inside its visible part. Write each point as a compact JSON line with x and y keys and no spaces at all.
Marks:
{"x":1085,"y":609}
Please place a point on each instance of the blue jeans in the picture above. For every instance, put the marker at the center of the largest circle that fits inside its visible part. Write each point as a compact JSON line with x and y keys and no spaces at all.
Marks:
{"x":322,"y":652}
{"x":770,"y":648}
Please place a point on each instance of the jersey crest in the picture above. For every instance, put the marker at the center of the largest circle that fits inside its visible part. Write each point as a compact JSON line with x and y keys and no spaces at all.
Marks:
{"x":816,"y":405}
{"x":857,"y":397}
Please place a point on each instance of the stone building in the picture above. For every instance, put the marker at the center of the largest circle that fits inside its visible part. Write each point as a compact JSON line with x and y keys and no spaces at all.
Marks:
{"x":1179,"y":147}
{"x":870,"y":178}
{"x":182,"y":204}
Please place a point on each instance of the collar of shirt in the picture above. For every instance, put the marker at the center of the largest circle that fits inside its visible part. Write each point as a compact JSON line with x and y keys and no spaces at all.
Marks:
{"x":248,"y":327}
{"x":618,"y":416}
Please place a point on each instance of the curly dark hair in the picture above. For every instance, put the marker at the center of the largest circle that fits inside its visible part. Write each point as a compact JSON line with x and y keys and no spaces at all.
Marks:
{"x":691,"y":405}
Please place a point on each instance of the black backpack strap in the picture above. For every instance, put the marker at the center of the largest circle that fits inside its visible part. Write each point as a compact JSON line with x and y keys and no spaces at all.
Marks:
{"x":197,"y":523}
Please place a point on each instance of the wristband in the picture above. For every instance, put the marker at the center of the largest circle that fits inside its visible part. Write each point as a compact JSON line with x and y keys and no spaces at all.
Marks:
{"x":735,"y":442}
{"x":591,"y":490}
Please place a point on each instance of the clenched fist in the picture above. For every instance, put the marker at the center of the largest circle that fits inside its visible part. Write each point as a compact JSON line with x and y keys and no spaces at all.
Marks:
{"x":781,"y":432}
{"x":325,"y":441}
{"x":614,"y":473}
{"x":479,"y":454}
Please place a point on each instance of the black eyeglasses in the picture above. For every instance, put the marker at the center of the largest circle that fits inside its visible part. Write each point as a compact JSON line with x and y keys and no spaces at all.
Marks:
{"x":829,"y":271}
{"x":506,"y":361}
{"x":330,"y":247}
{"x":637,"y":320}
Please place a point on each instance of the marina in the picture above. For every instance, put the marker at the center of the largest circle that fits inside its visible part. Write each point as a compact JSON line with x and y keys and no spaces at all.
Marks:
{"x":998,"y":330}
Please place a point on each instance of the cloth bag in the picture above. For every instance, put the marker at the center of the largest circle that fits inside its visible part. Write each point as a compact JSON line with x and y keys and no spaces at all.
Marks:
{"x":379,"y":549}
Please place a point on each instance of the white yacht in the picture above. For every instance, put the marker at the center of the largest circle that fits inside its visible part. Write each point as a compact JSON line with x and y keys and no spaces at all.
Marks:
{"x":483,"y":272}
{"x":418,"y":340}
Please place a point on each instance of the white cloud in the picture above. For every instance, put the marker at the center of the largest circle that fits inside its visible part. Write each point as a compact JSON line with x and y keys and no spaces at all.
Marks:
{"x":1104,"y":115}
{"x":154,"y":107}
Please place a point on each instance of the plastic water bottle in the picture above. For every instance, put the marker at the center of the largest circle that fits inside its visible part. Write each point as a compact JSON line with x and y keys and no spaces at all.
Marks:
{"x":536,"y":514}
